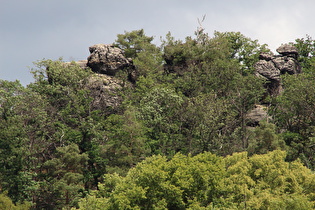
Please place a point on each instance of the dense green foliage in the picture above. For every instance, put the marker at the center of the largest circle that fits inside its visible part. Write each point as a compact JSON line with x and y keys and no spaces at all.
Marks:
{"x":207,"y":181}
{"x":180,"y":138}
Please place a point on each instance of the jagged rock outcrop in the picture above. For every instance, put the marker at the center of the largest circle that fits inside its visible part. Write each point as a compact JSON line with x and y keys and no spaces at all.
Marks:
{"x":108,"y":59}
{"x":272,"y":66}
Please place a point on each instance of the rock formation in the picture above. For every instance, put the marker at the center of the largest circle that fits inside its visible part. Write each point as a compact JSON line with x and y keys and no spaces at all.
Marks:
{"x":257,"y":114}
{"x":104,"y":90}
{"x":271,"y":66}
{"x":108,"y":59}
{"x":81,"y":63}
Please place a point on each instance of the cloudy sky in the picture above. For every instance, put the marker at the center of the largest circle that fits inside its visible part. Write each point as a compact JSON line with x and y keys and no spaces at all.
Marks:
{"x":31,"y":30}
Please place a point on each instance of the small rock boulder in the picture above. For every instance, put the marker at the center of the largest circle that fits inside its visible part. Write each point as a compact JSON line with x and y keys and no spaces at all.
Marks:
{"x":257,"y":114}
{"x":288,"y":50}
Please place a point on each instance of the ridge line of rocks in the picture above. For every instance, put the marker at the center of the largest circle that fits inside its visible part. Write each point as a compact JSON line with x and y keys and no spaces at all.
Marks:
{"x":107,"y":60}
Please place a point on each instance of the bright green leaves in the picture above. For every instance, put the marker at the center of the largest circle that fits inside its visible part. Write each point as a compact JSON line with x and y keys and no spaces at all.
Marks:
{"x":267,"y":182}
{"x":160,"y":184}
{"x":6,"y":203}
{"x":207,"y":181}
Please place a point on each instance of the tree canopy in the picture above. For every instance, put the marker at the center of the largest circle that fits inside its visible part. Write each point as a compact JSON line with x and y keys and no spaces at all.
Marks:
{"x":179,"y":139}
{"x":206,"y":181}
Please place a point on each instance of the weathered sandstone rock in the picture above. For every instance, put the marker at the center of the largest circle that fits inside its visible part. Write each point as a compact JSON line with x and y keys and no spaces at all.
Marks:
{"x":272,"y":66}
{"x":107,"y":59}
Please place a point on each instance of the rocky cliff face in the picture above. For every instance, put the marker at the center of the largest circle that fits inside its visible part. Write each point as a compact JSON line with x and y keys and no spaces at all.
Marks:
{"x":106,"y":61}
{"x":272,"y":66}
{"x":105,"y":91}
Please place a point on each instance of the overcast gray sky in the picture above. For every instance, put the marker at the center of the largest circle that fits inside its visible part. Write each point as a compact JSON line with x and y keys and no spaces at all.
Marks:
{"x":31,"y":30}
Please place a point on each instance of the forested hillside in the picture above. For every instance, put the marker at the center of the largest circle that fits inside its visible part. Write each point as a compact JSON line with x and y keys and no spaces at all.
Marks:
{"x":162,"y":127}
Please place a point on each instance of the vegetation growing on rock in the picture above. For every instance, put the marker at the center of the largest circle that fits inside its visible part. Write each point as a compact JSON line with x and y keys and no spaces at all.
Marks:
{"x":167,"y":128}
